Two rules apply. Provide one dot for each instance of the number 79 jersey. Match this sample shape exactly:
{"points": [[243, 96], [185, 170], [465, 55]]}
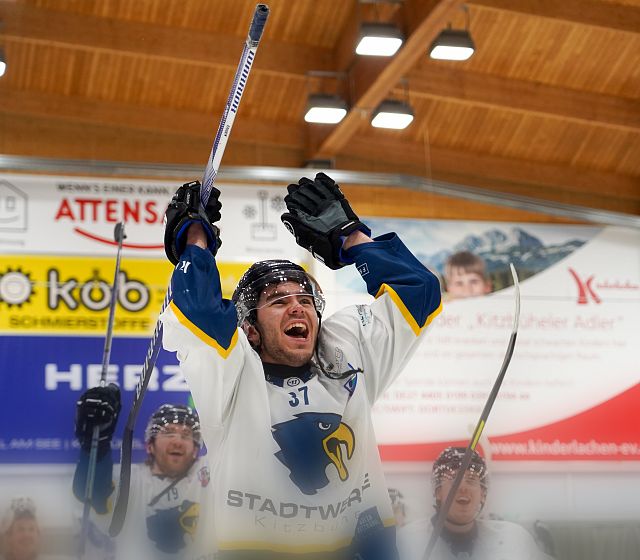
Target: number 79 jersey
{"points": [[166, 519], [298, 468]]}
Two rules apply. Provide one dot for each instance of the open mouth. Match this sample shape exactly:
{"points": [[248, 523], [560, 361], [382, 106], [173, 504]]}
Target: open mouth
{"points": [[463, 500], [297, 330], [176, 453]]}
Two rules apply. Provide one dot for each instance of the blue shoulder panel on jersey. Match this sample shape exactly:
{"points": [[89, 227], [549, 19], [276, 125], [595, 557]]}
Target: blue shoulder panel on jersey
{"points": [[103, 482], [386, 265], [197, 300]]}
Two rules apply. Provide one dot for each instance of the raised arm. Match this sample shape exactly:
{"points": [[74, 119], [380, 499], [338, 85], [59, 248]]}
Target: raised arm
{"points": [[407, 294], [199, 324], [99, 406], [407, 298]]}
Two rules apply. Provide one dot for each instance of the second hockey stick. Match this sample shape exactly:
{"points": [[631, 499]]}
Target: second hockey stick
{"points": [[119, 237], [211, 170], [466, 459]]}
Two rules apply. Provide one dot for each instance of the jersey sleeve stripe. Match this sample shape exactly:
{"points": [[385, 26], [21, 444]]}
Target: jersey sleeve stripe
{"points": [[415, 327], [224, 352]]}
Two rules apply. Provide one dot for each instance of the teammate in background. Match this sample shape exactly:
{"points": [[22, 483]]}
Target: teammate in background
{"points": [[398, 506], [21, 538], [465, 275], [167, 489], [287, 391], [465, 535]]}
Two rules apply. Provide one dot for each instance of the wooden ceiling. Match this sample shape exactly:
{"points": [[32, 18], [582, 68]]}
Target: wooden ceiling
{"points": [[548, 106]]}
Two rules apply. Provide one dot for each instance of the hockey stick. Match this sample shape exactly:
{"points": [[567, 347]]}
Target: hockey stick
{"points": [[119, 236], [466, 459], [211, 171]]}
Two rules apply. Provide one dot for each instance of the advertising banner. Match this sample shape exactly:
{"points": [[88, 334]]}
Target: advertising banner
{"points": [[570, 394], [76, 216], [57, 260], [43, 376], [572, 389], [71, 295]]}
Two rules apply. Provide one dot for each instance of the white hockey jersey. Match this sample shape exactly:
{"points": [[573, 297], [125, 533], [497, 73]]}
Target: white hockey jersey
{"points": [[299, 469], [165, 521], [494, 540]]}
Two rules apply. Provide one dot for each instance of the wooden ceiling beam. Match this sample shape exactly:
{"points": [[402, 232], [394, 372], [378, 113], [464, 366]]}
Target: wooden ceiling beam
{"points": [[344, 51], [437, 81], [472, 168], [623, 17], [369, 92], [152, 119], [407, 203], [60, 138], [27, 22], [541, 192]]}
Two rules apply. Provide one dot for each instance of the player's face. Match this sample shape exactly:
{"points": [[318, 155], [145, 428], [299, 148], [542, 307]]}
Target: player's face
{"points": [[468, 500], [287, 327], [22, 541], [174, 451], [463, 284]]}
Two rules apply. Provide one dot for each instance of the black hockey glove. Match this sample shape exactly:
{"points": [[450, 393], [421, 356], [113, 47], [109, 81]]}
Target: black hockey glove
{"points": [[320, 218], [185, 209], [99, 406]]}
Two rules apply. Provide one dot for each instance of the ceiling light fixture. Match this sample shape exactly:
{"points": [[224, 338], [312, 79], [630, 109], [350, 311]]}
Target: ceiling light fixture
{"points": [[379, 39], [3, 63], [453, 44], [392, 113], [325, 109]]}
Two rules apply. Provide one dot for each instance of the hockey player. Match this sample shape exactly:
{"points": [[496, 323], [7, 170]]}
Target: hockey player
{"points": [[398, 506], [167, 489], [287, 391], [465, 535], [21, 536]]}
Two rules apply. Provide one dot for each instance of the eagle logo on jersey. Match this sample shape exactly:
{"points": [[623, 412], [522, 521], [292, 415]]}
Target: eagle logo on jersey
{"points": [[310, 443], [167, 528]]}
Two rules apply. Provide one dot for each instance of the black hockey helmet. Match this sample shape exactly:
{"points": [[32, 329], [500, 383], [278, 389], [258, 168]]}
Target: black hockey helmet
{"points": [[267, 273], [449, 462], [170, 414]]}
